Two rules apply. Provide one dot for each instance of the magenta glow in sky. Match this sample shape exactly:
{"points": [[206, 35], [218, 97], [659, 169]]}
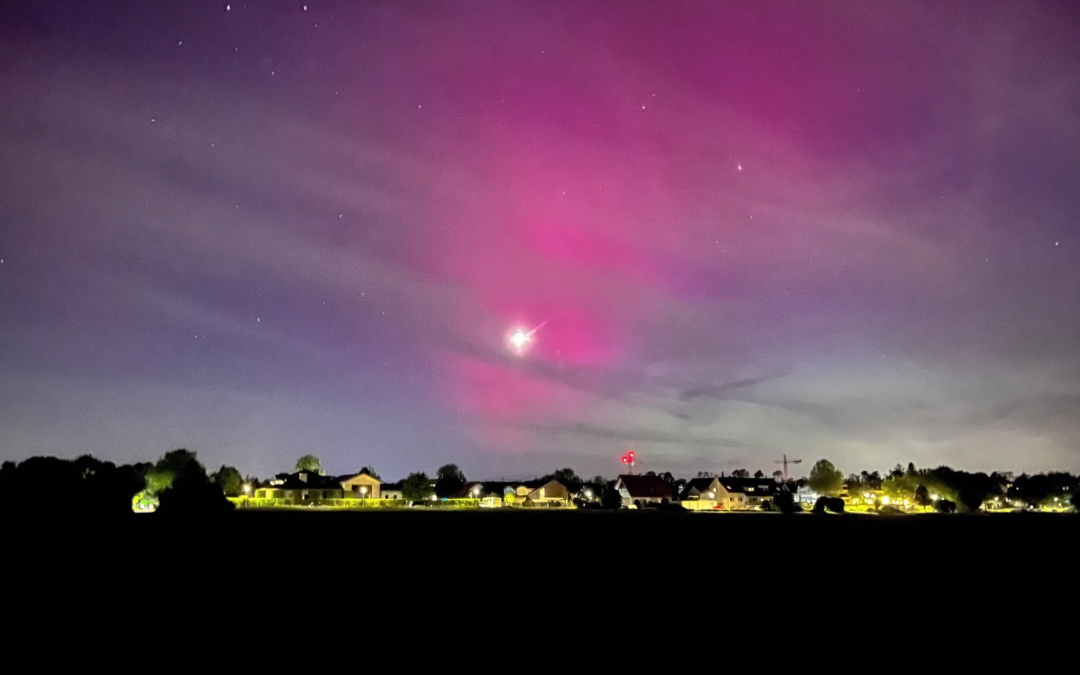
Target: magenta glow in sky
{"points": [[735, 231]]}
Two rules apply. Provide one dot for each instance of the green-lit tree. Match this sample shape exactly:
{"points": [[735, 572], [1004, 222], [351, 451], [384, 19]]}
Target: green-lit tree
{"points": [[416, 487], [825, 479], [229, 480], [171, 466], [309, 463]]}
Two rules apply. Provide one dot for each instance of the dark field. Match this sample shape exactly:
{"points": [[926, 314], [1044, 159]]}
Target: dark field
{"points": [[397, 553], [375, 575]]}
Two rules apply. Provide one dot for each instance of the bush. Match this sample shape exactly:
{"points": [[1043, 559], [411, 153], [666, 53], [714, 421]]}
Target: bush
{"points": [[784, 502], [945, 506], [834, 504]]}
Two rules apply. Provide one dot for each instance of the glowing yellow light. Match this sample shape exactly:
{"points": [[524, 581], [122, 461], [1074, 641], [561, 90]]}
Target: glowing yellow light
{"points": [[885, 500]]}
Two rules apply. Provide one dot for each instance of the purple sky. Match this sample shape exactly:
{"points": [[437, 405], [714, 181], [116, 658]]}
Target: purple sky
{"points": [[842, 230]]}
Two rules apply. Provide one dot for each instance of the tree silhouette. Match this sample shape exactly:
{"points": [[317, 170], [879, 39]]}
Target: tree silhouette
{"points": [[371, 472], [450, 471], [192, 493], [450, 480], [566, 476], [922, 497], [611, 499], [825, 479], [309, 463]]}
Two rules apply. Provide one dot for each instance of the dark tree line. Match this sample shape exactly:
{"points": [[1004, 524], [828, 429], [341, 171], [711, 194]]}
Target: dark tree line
{"points": [[89, 486], [52, 485]]}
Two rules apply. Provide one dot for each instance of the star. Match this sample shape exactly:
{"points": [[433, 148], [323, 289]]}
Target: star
{"points": [[738, 167]]}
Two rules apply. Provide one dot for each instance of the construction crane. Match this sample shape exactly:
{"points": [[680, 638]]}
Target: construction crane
{"points": [[785, 461]]}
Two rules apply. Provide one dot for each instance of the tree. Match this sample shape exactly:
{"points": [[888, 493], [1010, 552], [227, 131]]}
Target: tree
{"points": [[89, 485], [171, 466], [825, 479], [449, 481], [704, 474], [785, 502], [450, 471], [371, 472], [309, 463], [759, 474], [566, 476], [611, 499], [740, 473], [229, 480], [416, 487], [778, 476], [922, 497], [193, 493]]}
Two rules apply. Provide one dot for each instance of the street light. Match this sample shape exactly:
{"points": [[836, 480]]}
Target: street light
{"points": [[363, 492]]}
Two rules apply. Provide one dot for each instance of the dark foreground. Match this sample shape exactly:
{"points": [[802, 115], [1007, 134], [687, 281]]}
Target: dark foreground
{"points": [[635, 580], [399, 552]]}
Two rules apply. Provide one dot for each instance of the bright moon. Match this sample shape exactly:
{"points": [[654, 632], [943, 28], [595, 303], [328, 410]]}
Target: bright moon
{"points": [[519, 340]]}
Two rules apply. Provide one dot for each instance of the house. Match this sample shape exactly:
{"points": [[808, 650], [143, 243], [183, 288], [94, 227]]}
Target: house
{"points": [[391, 491], [302, 487], [539, 493], [550, 493], [637, 491], [700, 494], [490, 494], [804, 495], [739, 494], [361, 486]]}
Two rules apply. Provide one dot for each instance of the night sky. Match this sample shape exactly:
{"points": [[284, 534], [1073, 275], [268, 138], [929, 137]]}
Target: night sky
{"points": [[729, 230]]}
